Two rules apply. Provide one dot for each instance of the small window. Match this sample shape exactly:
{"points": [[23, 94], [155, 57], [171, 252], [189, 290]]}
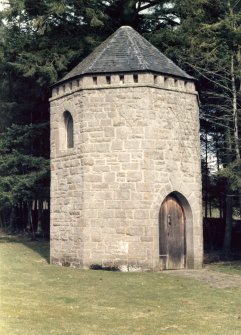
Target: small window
{"points": [[69, 126], [70, 85], [135, 78], [78, 82], [108, 80], [95, 80], [63, 88], [122, 79], [57, 90], [155, 79]]}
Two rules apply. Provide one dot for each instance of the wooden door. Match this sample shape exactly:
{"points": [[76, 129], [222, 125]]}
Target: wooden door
{"points": [[172, 234]]}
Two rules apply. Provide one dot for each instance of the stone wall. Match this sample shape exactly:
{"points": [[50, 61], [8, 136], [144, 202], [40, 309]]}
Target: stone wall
{"points": [[134, 143]]}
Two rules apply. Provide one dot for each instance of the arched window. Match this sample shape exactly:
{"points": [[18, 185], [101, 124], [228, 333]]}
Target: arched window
{"points": [[69, 126]]}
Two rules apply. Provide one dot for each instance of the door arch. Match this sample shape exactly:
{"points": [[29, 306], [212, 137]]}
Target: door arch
{"points": [[172, 227]]}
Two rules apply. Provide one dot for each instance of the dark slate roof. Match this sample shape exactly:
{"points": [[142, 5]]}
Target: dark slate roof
{"points": [[126, 51]]}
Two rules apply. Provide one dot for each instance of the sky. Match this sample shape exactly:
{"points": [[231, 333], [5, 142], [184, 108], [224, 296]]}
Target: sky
{"points": [[2, 3]]}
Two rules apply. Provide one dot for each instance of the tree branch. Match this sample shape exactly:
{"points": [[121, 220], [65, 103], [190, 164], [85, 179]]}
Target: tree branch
{"points": [[149, 5]]}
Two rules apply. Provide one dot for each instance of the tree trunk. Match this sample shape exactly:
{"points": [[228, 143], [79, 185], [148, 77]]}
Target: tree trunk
{"points": [[40, 217], [235, 121], [228, 225], [235, 105], [228, 206], [229, 210], [2, 221], [235, 110], [25, 216], [30, 219], [12, 219], [206, 174]]}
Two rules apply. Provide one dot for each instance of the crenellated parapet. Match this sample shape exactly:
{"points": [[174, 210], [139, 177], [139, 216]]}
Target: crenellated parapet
{"points": [[90, 82]]}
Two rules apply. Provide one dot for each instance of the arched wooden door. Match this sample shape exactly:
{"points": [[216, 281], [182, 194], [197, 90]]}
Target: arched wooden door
{"points": [[172, 234]]}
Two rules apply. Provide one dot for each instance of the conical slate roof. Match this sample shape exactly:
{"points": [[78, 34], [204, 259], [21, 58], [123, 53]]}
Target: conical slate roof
{"points": [[126, 51]]}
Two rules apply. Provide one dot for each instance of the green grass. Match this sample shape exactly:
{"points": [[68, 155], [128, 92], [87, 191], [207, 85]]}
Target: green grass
{"points": [[42, 299], [232, 267]]}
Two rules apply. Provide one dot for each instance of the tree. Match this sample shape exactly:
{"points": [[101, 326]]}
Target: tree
{"points": [[24, 176], [211, 33], [226, 42], [39, 42], [206, 42]]}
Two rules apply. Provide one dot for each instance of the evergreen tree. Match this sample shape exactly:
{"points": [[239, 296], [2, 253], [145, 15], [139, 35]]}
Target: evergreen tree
{"points": [[210, 35], [39, 42], [24, 176]]}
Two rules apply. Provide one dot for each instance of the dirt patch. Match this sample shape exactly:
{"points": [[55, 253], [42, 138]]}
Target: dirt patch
{"points": [[213, 278]]}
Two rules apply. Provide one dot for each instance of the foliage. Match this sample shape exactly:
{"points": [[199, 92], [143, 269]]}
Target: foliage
{"points": [[233, 173], [40, 40], [23, 176], [209, 43]]}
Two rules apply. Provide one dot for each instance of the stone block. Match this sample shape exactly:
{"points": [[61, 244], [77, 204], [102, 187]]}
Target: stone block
{"points": [[130, 166], [106, 213], [124, 157], [101, 168], [96, 238], [96, 178], [109, 177], [134, 176], [132, 145], [117, 145], [134, 231], [122, 195], [102, 147], [109, 132], [141, 214], [124, 213], [146, 239]]}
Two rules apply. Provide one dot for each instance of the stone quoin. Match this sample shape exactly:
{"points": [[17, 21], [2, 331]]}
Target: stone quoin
{"points": [[125, 161]]}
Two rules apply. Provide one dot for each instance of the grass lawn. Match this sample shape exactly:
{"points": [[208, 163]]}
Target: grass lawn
{"points": [[230, 267], [42, 299]]}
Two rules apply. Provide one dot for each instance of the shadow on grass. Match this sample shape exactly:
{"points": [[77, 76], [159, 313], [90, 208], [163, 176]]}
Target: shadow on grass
{"points": [[236, 265], [39, 245], [218, 256]]}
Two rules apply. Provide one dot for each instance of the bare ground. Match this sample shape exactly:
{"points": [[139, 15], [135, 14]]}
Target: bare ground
{"points": [[213, 278]]}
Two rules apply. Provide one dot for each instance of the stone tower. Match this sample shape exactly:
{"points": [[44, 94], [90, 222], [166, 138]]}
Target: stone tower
{"points": [[125, 161]]}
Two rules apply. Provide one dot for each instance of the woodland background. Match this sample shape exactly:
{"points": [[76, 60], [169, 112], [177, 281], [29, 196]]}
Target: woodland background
{"points": [[41, 40]]}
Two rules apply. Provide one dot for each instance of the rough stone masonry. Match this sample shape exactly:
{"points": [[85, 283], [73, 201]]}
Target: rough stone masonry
{"points": [[134, 120]]}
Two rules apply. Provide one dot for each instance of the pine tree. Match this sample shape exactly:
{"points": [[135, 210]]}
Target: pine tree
{"points": [[210, 35], [40, 41]]}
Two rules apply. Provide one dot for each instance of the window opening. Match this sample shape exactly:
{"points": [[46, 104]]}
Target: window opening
{"points": [[135, 78], [95, 80], [69, 124], [122, 78], [108, 80]]}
